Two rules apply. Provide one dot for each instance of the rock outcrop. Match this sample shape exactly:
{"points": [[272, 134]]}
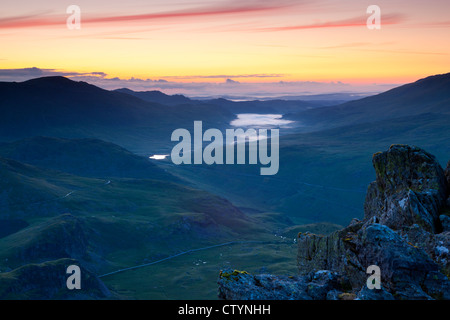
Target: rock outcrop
{"points": [[239, 285], [405, 232], [410, 188]]}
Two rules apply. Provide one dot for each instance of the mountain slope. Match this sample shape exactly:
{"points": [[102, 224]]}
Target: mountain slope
{"points": [[111, 225], [276, 106], [83, 157], [59, 107], [428, 95], [158, 97], [323, 175]]}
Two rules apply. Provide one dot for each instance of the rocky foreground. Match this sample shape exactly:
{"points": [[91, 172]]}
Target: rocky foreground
{"points": [[405, 232]]}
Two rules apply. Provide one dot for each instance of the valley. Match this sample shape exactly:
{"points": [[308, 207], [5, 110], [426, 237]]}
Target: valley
{"points": [[78, 181]]}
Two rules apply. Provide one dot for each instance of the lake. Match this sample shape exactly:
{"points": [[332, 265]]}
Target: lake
{"points": [[260, 120]]}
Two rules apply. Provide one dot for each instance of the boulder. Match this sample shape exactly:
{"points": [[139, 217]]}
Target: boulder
{"points": [[374, 294], [240, 285]]}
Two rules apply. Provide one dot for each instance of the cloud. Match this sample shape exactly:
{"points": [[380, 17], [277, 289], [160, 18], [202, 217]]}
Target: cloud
{"points": [[229, 88], [218, 9], [231, 81], [233, 7], [29, 73], [360, 21], [227, 76], [32, 20]]}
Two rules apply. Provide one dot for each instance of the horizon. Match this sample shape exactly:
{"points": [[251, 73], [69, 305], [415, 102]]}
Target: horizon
{"points": [[335, 95], [326, 92], [218, 48]]}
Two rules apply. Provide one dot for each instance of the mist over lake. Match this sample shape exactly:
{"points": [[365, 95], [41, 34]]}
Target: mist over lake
{"points": [[260, 120]]}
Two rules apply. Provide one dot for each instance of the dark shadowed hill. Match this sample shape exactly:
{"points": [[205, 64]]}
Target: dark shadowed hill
{"points": [[277, 106], [84, 157], [58, 101], [57, 106], [158, 97], [428, 95]]}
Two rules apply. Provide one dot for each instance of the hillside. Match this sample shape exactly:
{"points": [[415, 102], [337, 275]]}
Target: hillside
{"points": [[428, 95], [110, 211], [158, 97], [323, 175], [108, 225], [100, 159], [59, 107], [274, 106]]}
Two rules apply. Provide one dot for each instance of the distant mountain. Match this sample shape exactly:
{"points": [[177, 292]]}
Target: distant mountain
{"points": [[158, 97], [83, 157], [428, 95], [57, 101], [59, 107], [273, 106], [277, 106]]}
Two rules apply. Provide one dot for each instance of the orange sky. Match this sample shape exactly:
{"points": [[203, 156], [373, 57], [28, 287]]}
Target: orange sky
{"points": [[247, 41]]}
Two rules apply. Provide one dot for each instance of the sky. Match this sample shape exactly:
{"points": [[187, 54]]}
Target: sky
{"points": [[218, 47]]}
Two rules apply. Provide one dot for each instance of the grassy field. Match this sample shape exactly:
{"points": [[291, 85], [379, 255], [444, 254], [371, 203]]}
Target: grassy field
{"points": [[195, 275]]}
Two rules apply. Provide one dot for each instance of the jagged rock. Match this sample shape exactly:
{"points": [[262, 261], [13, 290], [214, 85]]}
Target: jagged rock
{"points": [[398, 233], [334, 252], [350, 253], [402, 265], [410, 188], [437, 286], [404, 233], [374, 294], [239, 285], [321, 283], [333, 295], [445, 222], [48, 281], [435, 245]]}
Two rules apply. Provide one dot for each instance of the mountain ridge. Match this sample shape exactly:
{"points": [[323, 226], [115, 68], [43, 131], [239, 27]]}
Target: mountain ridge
{"points": [[427, 95]]}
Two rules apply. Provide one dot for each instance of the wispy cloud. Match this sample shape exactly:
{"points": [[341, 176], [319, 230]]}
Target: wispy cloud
{"points": [[28, 73], [218, 9], [360, 21], [226, 76], [233, 7], [227, 88], [437, 24]]}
